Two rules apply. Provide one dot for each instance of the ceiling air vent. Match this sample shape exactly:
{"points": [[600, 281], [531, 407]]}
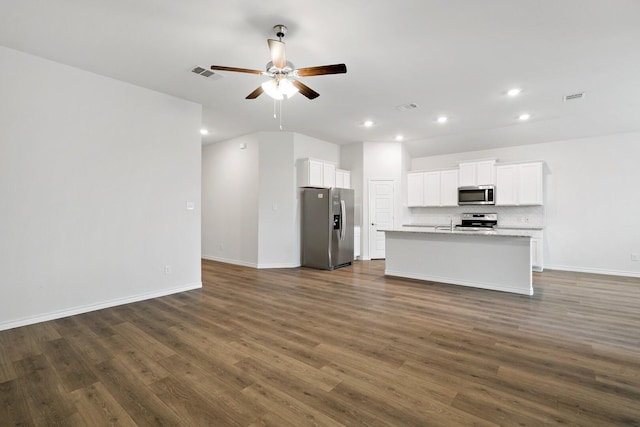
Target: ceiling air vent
{"points": [[407, 107], [201, 71], [573, 96]]}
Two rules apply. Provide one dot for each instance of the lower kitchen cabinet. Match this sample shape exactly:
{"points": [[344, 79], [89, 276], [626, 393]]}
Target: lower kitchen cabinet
{"points": [[536, 251]]}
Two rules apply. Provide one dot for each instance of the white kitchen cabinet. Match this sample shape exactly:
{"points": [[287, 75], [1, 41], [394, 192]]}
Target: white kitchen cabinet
{"points": [[449, 187], [530, 184], [415, 189], [506, 185], [329, 174], [537, 251], [432, 188], [316, 173], [343, 178], [519, 184], [477, 173], [356, 242]]}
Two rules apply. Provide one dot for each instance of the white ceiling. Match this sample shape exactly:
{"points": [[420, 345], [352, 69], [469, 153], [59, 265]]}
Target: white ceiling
{"points": [[452, 57]]}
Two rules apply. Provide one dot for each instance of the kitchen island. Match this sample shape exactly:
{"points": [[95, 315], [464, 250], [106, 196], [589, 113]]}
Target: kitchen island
{"points": [[499, 260]]}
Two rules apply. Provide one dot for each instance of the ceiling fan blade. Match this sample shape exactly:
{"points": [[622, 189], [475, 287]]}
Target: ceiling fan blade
{"points": [[238, 70], [278, 56], [321, 70], [305, 90], [256, 93]]}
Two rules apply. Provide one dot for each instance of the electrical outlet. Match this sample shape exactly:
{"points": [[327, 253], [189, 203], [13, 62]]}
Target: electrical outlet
{"points": [[167, 270], [634, 257]]}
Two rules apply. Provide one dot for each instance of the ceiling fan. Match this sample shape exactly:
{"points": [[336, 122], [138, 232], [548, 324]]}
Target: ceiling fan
{"points": [[283, 82]]}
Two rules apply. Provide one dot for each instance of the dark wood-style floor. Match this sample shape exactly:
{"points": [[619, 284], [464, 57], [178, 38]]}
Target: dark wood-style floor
{"points": [[302, 347]]}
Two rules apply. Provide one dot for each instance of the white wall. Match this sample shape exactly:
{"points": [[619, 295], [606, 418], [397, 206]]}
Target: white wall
{"points": [[230, 183], [592, 202], [352, 159], [382, 160], [95, 175], [251, 202], [276, 202]]}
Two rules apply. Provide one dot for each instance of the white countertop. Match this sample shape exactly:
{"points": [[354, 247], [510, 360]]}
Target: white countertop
{"points": [[496, 228], [509, 232]]}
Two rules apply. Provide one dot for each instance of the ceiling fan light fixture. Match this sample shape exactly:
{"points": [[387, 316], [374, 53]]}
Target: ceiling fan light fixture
{"points": [[279, 88], [287, 88], [270, 87]]}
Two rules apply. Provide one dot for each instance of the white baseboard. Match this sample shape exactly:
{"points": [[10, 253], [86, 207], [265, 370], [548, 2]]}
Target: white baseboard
{"points": [[93, 307], [250, 264], [229, 261], [283, 265], [593, 270]]}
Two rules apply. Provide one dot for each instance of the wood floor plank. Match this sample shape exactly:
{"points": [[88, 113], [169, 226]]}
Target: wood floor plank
{"points": [[44, 395], [352, 347], [14, 410], [301, 390], [313, 375], [68, 365], [191, 407], [97, 407], [224, 396], [141, 404]]}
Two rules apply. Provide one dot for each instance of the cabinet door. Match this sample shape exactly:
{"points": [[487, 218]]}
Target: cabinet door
{"points": [[530, 184], [449, 188], [328, 175], [315, 170], [506, 186], [485, 174], [432, 188], [467, 174], [536, 253], [339, 179], [415, 189], [347, 179]]}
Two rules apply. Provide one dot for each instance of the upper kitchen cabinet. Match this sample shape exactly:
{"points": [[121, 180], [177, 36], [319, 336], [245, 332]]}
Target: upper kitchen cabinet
{"points": [[449, 182], [316, 173], [415, 189], [519, 184], [477, 173], [343, 179], [433, 188]]}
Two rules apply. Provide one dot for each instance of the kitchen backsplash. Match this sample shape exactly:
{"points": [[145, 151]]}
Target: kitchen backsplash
{"points": [[508, 216]]}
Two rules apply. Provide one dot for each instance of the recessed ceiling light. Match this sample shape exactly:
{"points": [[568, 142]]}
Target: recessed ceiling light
{"points": [[443, 119], [204, 131], [399, 138], [368, 123], [524, 116], [514, 92]]}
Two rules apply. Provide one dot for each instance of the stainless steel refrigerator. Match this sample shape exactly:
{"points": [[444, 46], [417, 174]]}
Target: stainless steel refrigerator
{"points": [[327, 227]]}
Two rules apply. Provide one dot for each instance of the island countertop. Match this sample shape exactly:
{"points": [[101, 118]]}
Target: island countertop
{"points": [[508, 232]]}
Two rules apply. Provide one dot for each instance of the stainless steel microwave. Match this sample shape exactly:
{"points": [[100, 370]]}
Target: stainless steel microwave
{"points": [[477, 195]]}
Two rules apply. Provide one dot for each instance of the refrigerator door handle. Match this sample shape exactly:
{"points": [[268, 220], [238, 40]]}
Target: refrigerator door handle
{"points": [[343, 213]]}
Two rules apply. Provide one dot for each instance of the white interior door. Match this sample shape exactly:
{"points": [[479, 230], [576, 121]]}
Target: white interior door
{"points": [[380, 214]]}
